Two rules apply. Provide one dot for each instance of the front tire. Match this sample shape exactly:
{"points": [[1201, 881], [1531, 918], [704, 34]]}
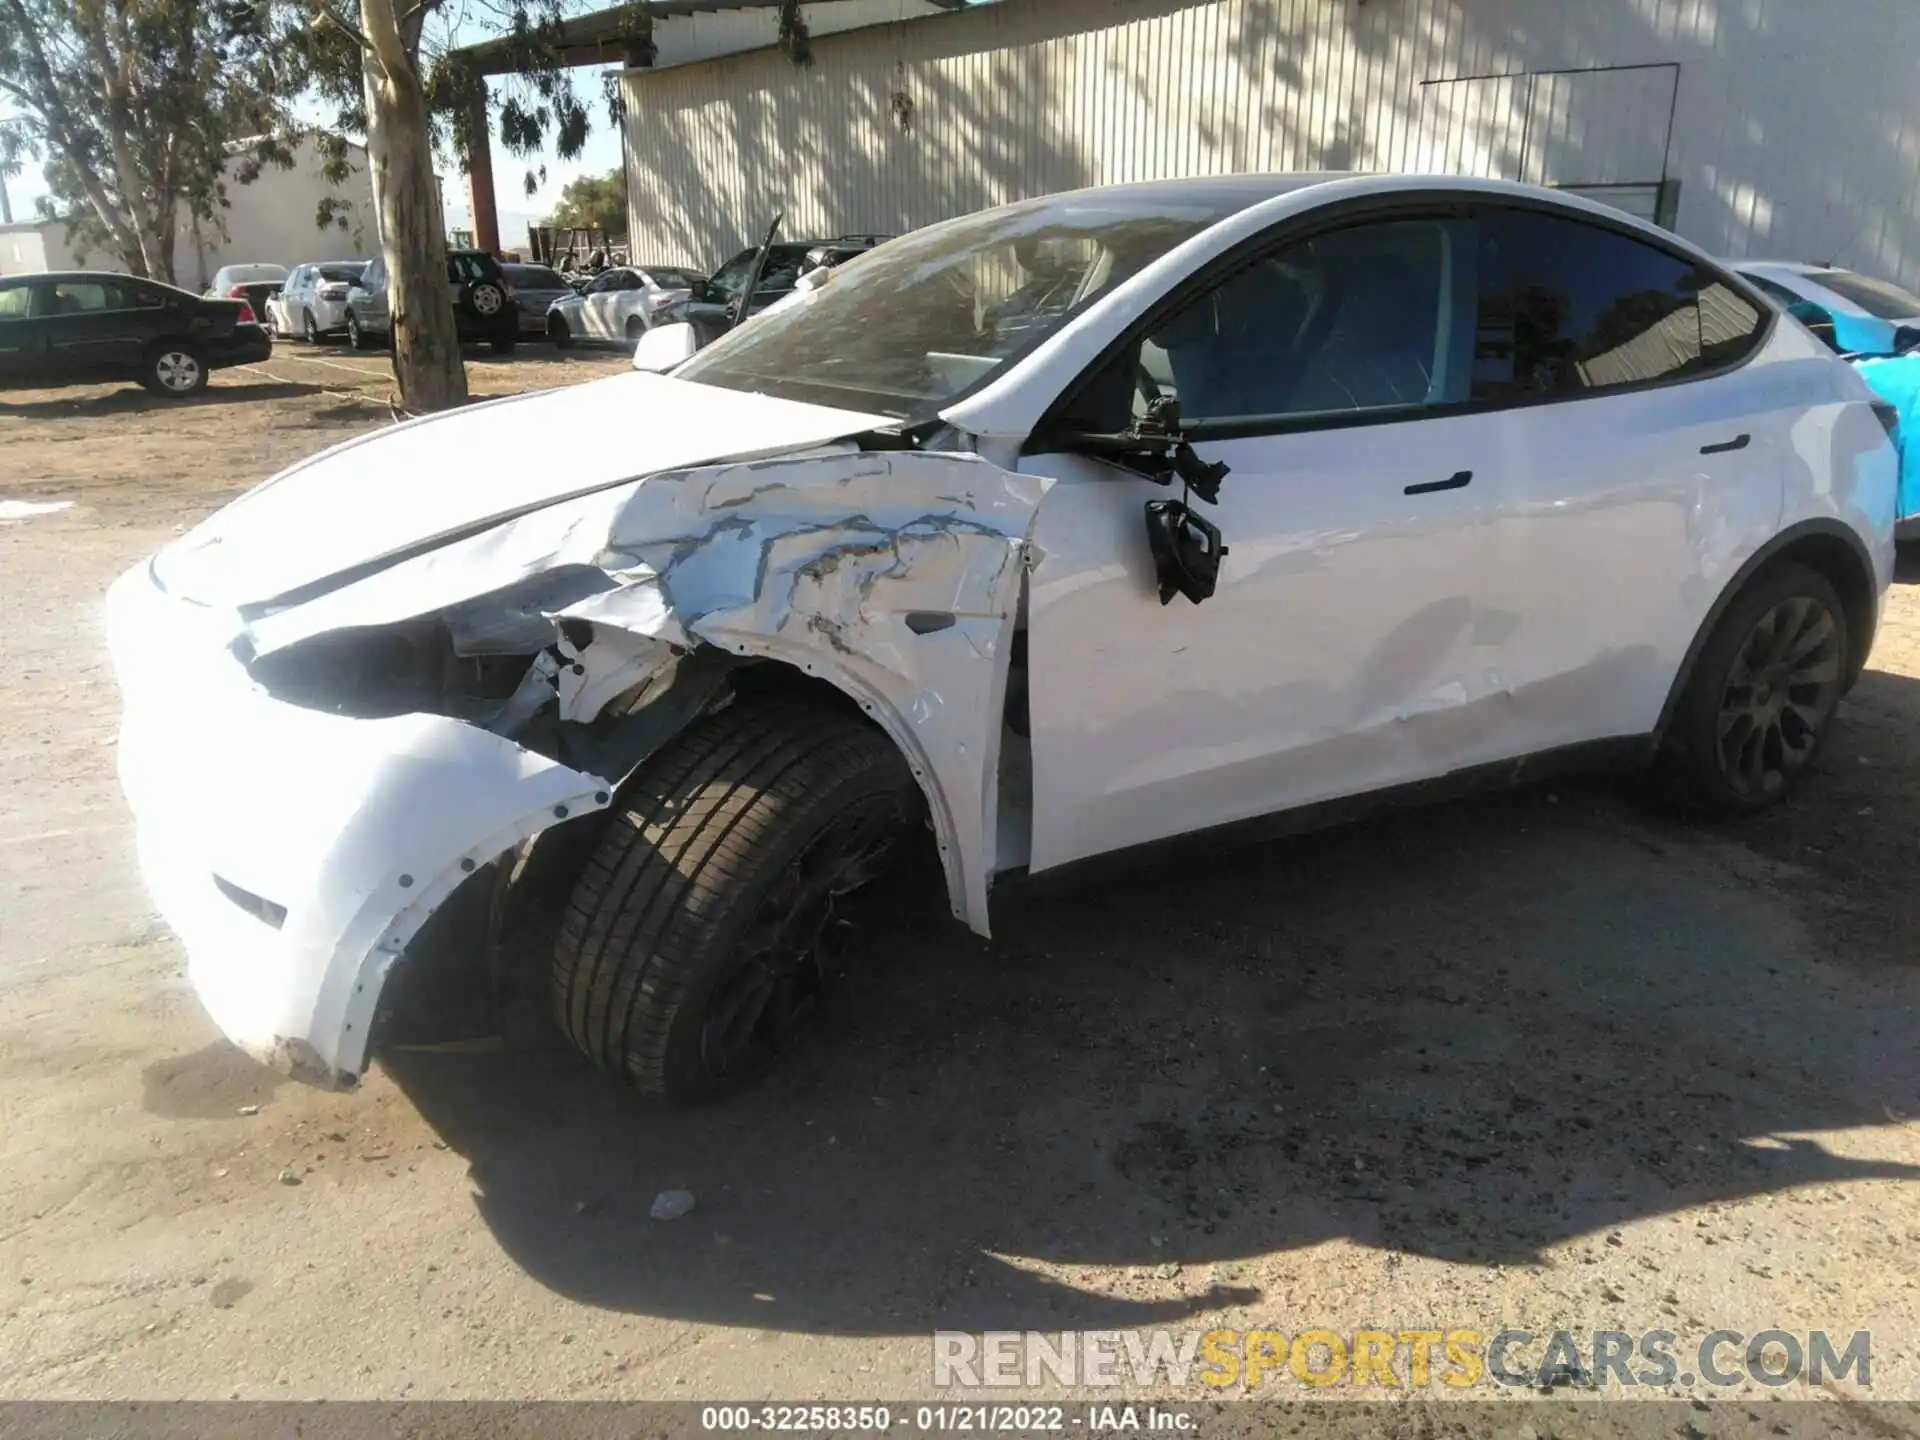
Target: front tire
{"points": [[559, 332], [174, 370], [1761, 699], [703, 932]]}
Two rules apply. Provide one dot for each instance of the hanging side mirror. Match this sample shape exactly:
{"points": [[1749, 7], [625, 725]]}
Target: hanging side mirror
{"points": [[1187, 551], [663, 347]]}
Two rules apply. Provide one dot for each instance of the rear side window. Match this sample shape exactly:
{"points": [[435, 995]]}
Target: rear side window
{"points": [[16, 302], [1568, 307], [467, 267], [87, 297]]}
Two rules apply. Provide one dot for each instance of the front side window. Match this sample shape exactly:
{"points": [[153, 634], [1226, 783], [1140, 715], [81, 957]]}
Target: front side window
{"points": [[934, 315], [1881, 299], [1568, 307], [1356, 320]]}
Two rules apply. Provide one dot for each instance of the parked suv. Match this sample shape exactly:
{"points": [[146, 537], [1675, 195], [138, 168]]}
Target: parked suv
{"points": [[1248, 499], [483, 302]]}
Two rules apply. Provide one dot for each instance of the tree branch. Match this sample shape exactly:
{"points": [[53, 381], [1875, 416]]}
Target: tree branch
{"points": [[327, 15]]}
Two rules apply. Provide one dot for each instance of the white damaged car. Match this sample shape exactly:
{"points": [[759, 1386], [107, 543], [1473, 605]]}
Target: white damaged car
{"points": [[1051, 531]]}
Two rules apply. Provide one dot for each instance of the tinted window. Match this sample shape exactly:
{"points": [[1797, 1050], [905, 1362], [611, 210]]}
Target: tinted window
{"points": [[1773, 290], [1881, 299], [1355, 320], [467, 266], [729, 279], [1569, 308], [86, 297], [535, 277], [16, 301], [604, 283]]}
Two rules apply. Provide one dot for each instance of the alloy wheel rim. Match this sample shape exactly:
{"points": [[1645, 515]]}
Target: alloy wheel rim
{"points": [[177, 370], [792, 948], [1779, 693]]}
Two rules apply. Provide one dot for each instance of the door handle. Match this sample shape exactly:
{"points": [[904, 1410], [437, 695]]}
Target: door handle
{"points": [[1727, 447], [1457, 481]]}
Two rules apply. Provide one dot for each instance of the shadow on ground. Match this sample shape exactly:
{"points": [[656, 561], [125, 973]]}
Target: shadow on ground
{"points": [[133, 400], [1467, 1032]]}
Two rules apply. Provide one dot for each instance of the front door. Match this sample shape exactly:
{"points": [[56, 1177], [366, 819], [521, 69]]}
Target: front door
{"points": [[98, 327], [23, 359], [1348, 647]]}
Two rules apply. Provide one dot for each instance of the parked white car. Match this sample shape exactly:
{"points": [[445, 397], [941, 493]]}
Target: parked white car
{"points": [[1088, 522], [1870, 316], [313, 303], [618, 306]]}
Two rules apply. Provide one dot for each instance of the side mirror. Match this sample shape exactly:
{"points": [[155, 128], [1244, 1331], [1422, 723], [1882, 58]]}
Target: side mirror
{"points": [[663, 347], [1187, 551]]}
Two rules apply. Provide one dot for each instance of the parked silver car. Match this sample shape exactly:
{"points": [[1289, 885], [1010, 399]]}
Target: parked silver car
{"points": [[313, 302], [535, 287]]}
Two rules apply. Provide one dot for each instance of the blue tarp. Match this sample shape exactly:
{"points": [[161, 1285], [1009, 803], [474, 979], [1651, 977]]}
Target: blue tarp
{"points": [[1896, 380]]}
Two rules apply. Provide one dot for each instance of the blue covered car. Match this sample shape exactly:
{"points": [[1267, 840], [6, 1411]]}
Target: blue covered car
{"points": [[1876, 325]]}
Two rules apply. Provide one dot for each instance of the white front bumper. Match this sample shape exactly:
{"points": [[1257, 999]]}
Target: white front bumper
{"points": [[357, 829]]}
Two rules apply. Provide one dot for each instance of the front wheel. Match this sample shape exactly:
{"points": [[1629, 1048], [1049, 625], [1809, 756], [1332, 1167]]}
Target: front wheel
{"points": [[174, 369], [559, 332], [708, 924], [1762, 696]]}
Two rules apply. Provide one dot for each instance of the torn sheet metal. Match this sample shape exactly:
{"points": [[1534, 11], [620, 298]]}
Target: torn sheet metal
{"points": [[815, 561]]}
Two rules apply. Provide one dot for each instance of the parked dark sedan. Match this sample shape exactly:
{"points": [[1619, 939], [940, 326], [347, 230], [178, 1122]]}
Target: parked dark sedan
{"points": [[79, 326]]}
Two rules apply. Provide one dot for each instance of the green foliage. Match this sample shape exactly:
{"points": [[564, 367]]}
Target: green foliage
{"points": [[135, 107], [594, 202]]}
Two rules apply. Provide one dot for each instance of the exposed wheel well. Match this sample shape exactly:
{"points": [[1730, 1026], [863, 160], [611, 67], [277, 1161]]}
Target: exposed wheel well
{"points": [[1821, 546]]}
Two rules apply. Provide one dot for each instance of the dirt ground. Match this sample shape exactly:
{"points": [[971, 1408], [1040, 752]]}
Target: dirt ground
{"points": [[1550, 1059]]}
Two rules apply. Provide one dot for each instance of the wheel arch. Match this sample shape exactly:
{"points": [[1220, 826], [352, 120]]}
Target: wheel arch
{"points": [[1826, 546]]}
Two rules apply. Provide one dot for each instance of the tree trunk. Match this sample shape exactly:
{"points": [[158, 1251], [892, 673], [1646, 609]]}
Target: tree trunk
{"points": [[406, 201]]}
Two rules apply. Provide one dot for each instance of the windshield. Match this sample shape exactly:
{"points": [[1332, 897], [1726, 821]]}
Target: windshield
{"points": [[907, 329], [1881, 299]]}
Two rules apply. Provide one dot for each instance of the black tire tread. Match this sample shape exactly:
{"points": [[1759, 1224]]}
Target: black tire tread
{"points": [[695, 832]]}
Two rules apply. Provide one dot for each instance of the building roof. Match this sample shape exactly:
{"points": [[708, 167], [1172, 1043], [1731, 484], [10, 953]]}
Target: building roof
{"points": [[616, 37]]}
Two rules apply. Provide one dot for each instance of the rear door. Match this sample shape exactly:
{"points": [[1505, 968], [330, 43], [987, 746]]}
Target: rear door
{"points": [[1638, 452], [23, 357]]}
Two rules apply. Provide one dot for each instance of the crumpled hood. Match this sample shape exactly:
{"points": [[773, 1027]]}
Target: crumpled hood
{"points": [[400, 489]]}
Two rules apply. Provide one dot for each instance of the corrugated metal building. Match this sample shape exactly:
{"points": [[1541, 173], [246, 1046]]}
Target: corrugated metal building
{"points": [[1779, 127]]}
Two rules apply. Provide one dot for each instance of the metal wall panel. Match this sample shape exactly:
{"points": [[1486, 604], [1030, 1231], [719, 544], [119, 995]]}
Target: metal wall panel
{"points": [[1794, 127]]}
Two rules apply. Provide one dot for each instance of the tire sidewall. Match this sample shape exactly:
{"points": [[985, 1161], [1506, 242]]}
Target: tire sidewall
{"points": [[308, 330], [686, 1080], [1694, 758]]}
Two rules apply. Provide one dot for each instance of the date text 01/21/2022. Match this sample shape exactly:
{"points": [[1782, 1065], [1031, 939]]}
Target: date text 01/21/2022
{"points": [[954, 1419]]}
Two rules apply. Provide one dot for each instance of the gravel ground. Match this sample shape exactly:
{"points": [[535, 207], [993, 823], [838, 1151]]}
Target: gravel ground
{"points": [[1549, 1059]]}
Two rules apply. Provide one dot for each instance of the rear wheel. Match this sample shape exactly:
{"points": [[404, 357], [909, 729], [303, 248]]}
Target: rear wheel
{"points": [[309, 331], [1762, 695], [175, 369], [707, 926], [636, 327], [356, 336]]}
